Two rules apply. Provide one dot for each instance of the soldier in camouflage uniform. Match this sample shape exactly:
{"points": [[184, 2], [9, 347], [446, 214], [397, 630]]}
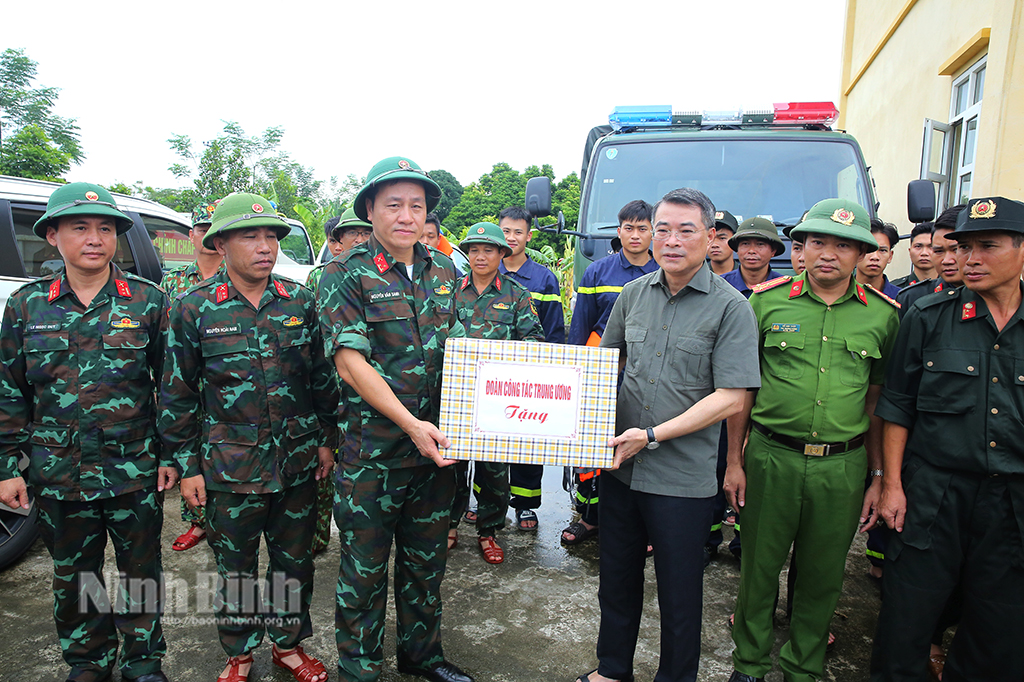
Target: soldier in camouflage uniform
{"points": [[80, 351], [178, 281], [245, 345], [490, 306], [342, 233], [386, 311]]}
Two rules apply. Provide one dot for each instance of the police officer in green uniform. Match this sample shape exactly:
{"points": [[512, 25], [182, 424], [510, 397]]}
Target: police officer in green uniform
{"points": [[245, 346], [386, 310], [490, 306], [824, 340], [178, 281], [957, 502], [80, 352]]}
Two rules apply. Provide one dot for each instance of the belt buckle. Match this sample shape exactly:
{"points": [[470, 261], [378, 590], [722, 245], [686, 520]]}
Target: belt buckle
{"points": [[812, 450]]}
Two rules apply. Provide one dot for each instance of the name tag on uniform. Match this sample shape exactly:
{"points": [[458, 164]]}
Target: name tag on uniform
{"points": [[785, 327], [378, 296], [222, 330], [43, 327]]}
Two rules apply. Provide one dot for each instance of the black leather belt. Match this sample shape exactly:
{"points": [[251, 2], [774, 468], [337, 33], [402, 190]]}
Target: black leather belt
{"points": [[810, 449]]}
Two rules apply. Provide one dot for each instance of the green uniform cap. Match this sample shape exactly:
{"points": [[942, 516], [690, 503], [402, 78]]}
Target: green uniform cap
{"points": [[726, 220], [203, 213], [349, 221], [758, 228], [992, 213], [839, 218], [485, 233], [392, 169], [241, 211], [80, 198]]}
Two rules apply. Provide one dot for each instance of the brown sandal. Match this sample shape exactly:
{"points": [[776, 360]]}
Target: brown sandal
{"points": [[304, 672], [234, 663], [936, 662]]}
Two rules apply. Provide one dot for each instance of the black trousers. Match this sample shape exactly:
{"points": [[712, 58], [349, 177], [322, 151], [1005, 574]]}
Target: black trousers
{"points": [[677, 527]]}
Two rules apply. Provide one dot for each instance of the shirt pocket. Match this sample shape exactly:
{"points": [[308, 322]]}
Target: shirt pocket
{"points": [[303, 439], [124, 355], [783, 354], [232, 455], [294, 346], [131, 441], [391, 325], [856, 365], [949, 381], [380, 438], [498, 325], [691, 359], [50, 457], [635, 338], [47, 358], [227, 360]]}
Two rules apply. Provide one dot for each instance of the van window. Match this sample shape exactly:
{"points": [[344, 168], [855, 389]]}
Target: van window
{"points": [[173, 247], [42, 259], [296, 246]]}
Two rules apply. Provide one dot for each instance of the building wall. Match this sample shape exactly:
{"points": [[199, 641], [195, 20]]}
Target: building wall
{"points": [[904, 44]]}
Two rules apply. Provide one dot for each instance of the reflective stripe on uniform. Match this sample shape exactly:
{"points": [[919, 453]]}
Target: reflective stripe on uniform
{"points": [[599, 290], [585, 500], [524, 492], [546, 297], [874, 555]]}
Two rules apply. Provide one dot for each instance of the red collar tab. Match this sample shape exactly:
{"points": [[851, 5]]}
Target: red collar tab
{"points": [[968, 311], [222, 293], [381, 262], [862, 295], [54, 291], [797, 287], [465, 282], [938, 287], [281, 290], [122, 288], [497, 282]]}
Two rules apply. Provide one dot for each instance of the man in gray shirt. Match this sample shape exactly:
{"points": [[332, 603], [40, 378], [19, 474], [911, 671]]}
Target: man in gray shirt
{"points": [[689, 343]]}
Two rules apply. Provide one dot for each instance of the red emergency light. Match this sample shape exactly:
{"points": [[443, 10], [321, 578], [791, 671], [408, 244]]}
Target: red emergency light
{"points": [[823, 113]]}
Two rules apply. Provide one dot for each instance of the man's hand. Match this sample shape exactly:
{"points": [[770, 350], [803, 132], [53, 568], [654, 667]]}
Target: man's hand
{"points": [[869, 512], [14, 493], [735, 486], [427, 437], [326, 457], [193, 489], [892, 507], [166, 477], [627, 444]]}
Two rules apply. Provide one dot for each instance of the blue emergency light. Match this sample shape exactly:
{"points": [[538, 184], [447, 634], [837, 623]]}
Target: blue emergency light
{"points": [[645, 116]]}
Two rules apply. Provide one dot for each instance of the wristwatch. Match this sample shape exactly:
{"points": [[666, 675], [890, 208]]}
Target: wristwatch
{"points": [[652, 442]]}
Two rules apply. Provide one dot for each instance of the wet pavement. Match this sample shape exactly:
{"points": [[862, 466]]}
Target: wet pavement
{"points": [[531, 619]]}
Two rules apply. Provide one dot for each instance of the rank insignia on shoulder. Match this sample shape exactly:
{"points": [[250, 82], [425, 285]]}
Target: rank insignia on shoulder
{"points": [[771, 284], [281, 291], [497, 281], [126, 323], [122, 288], [292, 321], [222, 293], [968, 311], [938, 288], [533, 308], [54, 291], [381, 262], [878, 293], [444, 289], [861, 296], [785, 327], [500, 306]]}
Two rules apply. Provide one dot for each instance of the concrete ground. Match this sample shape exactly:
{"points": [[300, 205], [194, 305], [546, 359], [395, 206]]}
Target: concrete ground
{"points": [[531, 619]]}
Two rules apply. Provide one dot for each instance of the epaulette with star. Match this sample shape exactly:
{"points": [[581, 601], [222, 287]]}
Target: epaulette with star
{"points": [[770, 284], [876, 292]]}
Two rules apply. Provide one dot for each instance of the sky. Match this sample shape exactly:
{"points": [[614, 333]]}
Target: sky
{"points": [[452, 85]]}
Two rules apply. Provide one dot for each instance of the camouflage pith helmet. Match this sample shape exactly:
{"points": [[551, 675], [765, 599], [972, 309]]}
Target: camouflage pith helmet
{"points": [[203, 213], [839, 218], [81, 198], [485, 233], [757, 228], [241, 211], [392, 169], [349, 221]]}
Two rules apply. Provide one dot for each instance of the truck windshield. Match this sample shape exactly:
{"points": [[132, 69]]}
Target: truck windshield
{"points": [[777, 179]]}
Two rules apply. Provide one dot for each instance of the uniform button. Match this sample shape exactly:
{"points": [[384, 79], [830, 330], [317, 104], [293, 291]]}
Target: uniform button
{"points": [[814, 433], [659, 353], [995, 411], [829, 308], [652, 381], [639, 460], [995, 347], [970, 368], [863, 352], [992, 444], [930, 363], [824, 338], [995, 380], [822, 370], [1020, 378], [664, 326], [671, 302], [647, 407], [819, 402], [783, 344]]}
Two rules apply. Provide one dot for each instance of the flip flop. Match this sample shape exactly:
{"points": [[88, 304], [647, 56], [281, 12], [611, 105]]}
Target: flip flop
{"points": [[579, 533], [526, 515]]}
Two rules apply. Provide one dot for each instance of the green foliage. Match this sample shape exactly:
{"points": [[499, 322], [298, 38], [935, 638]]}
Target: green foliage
{"points": [[34, 142], [451, 192], [121, 188]]}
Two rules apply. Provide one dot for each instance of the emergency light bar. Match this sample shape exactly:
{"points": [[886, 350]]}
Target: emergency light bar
{"points": [[785, 113]]}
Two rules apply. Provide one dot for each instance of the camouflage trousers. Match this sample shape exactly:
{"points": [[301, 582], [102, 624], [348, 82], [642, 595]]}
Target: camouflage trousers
{"points": [[87, 623], [373, 508], [324, 507], [194, 515], [490, 484], [280, 607]]}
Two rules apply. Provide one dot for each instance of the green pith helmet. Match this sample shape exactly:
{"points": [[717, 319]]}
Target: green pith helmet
{"points": [[241, 211], [991, 213], [726, 220], [839, 218], [80, 198], [349, 221], [389, 170], [758, 228], [485, 233], [203, 213]]}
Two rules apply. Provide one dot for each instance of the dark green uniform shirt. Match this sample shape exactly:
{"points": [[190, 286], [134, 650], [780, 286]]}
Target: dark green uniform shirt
{"points": [[180, 280], [369, 302], [817, 360], [78, 385], [954, 373], [269, 394], [504, 311]]}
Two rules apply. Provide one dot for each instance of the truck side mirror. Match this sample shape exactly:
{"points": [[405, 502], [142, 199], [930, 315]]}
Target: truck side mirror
{"points": [[538, 196], [920, 201]]}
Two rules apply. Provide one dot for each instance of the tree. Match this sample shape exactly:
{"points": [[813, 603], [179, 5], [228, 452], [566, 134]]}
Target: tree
{"points": [[451, 192], [34, 142]]}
